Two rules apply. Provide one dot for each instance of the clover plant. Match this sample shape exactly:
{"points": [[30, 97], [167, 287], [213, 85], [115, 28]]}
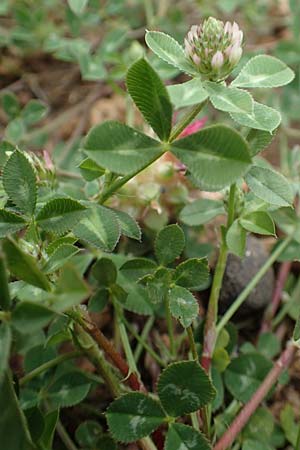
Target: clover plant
{"points": [[58, 263]]}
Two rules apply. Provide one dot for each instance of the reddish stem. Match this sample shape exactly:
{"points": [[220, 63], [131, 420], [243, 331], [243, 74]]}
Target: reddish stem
{"points": [[119, 362], [133, 381], [274, 305], [240, 421]]}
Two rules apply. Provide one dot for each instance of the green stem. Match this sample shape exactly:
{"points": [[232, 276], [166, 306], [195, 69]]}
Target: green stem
{"points": [[149, 12], [87, 344], [117, 184], [255, 280], [67, 441], [186, 120], [48, 365], [193, 348], [5, 300], [142, 339], [143, 343], [231, 205], [195, 422], [127, 347], [210, 333], [169, 321]]}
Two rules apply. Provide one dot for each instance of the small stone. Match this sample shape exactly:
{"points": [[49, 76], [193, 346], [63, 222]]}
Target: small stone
{"points": [[239, 272]]}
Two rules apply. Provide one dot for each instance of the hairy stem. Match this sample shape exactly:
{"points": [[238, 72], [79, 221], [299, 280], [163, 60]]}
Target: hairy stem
{"points": [[92, 329], [242, 418], [87, 344], [48, 365], [274, 305], [210, 332], [255, 280]]}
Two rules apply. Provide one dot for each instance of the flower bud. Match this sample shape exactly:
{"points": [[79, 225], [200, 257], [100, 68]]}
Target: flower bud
{"points": [[214, 48], [217, 60], [235, 54]]}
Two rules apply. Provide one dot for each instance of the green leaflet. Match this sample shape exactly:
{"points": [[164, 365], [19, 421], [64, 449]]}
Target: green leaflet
{"points": [[270, 186], [259, 222], [262, 118], [10, 223], [59, 257], [169, 244], [69, 389], [151, 97], [59, 215], [24, 266], [236, 239], [192, 274], [229, 99], [184, 387], [258, 140], [129, 226], [121, 149], [187, 94], [264, 71], [19, 182], [168, 49], [216, 156], [184, 437], [99, 227], [183, 305], [201, 211], [29, 317], [133, 416], [245, 374]]}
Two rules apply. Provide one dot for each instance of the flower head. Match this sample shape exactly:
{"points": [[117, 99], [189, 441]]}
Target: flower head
{"points": [[214, 48]]}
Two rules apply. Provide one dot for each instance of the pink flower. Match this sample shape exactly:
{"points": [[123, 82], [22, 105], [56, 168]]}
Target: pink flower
{"points": [[193, 127]]}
